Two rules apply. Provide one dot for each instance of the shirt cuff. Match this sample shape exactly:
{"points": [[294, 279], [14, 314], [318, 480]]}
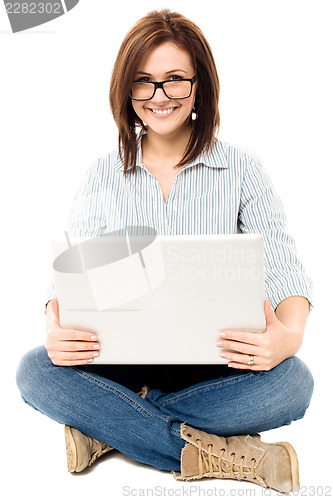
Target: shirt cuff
{"points": [[283, 293]]}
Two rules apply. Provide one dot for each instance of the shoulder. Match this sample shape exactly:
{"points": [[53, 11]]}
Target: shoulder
{"points": [[106, 166], [242, 163], [235, 155]]}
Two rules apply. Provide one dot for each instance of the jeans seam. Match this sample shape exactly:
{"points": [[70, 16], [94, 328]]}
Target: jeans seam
{"points": [[175, 432], [206, 387], [131, 401]]}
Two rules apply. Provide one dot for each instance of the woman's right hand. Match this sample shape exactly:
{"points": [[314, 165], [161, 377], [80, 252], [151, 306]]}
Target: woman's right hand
{"points": [[68, 347]]}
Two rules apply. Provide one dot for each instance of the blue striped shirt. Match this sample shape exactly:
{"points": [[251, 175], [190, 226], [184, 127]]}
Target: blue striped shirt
{"points": [[224, 191]]}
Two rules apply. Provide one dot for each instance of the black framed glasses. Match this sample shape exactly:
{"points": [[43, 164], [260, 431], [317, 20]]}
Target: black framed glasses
{"points": [[173, 89]]}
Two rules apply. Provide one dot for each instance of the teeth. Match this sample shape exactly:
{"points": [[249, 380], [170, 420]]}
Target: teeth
{"points": [[163, 112]]}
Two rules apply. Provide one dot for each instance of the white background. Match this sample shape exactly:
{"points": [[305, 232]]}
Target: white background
{"points": [[274, 60]]}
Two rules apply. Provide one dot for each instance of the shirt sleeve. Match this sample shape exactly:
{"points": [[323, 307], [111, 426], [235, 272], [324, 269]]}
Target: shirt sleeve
{"points": [[86, 216], [261, 211]]}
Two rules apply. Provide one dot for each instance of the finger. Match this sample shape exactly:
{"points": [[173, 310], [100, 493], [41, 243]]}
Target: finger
{"points": [[78, 356], [74, 335], [269, 313], [244, 337], [68, 346], [241, 359], [239, 347], [236, 357], [54, 307]]}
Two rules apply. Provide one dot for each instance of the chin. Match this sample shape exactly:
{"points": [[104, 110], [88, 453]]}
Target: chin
{"points": [[167, 129]]}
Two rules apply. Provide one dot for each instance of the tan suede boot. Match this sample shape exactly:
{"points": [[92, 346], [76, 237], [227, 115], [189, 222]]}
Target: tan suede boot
{"points": [[83, 450], [244, 458]]}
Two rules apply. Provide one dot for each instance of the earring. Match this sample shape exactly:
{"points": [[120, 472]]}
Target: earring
{"points": [[194, 115]]}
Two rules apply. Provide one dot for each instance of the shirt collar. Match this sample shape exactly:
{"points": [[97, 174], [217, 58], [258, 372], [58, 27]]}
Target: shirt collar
{"points": [[215, 157]]}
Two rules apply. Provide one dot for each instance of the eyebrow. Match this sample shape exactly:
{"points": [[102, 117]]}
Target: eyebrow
{"points": [[166, 73]]}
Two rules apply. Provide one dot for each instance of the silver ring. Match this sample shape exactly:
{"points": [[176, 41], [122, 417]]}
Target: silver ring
{"points": [[251, 360]]}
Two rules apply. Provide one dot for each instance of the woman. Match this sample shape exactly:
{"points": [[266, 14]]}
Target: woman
{"points": [[171, 173]]}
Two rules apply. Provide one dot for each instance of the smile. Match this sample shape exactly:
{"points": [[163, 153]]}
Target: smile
{"points": [[162, 112]]}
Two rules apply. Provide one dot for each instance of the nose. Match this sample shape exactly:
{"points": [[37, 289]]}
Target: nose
{"points": [[160, 96]]}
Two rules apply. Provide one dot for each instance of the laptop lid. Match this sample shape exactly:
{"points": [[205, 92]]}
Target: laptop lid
{"points": [[154, 298]]}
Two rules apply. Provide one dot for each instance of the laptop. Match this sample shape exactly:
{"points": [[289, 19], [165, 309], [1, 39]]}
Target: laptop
{"points": [[160, 299]]}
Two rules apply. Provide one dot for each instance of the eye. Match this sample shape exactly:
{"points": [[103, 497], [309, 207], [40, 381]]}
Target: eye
{"points": [[143, 79], [175, 77]]}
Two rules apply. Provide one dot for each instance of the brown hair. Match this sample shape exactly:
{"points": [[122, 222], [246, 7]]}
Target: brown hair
{"points": [[154, 29]]}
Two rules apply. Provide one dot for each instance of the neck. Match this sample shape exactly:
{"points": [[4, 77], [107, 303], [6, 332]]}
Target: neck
{"points": [[167, 149]]}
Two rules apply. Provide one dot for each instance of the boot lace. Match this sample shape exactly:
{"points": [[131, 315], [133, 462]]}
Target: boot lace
{"points": [[102, 448], [144, 391], [211, 464]]}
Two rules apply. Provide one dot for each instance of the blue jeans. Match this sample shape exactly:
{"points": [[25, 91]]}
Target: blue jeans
{"points": [[148, 430]]}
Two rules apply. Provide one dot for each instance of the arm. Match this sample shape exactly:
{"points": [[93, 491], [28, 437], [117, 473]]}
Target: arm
{"points": [[288, 289], [68, 347], [86, 217], [261, 211], [293, 313]]}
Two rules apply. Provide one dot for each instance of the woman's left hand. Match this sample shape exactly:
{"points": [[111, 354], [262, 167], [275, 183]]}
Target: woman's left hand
{"points": [[268, 348]]}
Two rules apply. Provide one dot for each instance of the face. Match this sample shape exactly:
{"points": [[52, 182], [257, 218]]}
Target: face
{"points": [[162, 115]]}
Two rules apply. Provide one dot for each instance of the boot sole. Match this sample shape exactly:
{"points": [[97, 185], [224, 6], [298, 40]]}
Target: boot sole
{"points": [[294, 465], [70, 450]]}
